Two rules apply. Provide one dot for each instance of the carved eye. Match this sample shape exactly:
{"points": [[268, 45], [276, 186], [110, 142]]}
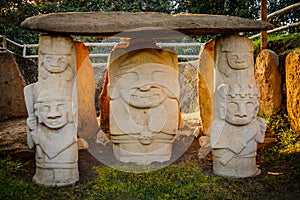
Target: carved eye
{"points": [[250, 106], [61, 107], [232, 106], [62, 59], [233, 56], [130, 76], [48, 58], [44, 107]]}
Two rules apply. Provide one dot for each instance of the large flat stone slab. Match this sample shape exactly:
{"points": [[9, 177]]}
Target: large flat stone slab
{"points": [[112, 23]]}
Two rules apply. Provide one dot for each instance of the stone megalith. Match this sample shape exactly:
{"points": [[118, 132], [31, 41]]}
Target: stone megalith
{"points": [[236, 129], [87, 117], [268, 77], [12, 104], [143, 89], [188, 100], [292, 65], [206, 94], [52, 113], [206, 84]]}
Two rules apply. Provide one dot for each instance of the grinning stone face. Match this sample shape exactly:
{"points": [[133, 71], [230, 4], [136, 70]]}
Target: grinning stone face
{"points": [[56, 63], [239, 60], [146, 86]]}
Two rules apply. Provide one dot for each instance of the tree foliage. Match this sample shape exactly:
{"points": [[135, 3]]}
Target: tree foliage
{"points": [[13, 12]]}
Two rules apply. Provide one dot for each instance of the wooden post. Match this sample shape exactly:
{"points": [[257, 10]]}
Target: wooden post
{"points": [[4, 44], [263, 10]]}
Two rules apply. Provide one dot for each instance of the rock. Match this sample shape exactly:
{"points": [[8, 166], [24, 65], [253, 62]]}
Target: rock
{"points": [[87, 118], [12, 82], [268, 77], [99, 81], [188, 99], [292, 66], [111, 23], [206, 84], [13, 134], [104, 106], [82, 144]]}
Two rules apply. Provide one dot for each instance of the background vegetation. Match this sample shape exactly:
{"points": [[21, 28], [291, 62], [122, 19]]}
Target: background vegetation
{"points": [[13, 12]]}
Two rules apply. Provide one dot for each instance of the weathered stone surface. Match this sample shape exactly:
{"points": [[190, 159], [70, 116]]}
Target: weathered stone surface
{"points": [[13, 138], [111, 23], [12, 82], [236, 129], [143, 89], [268, 78], [292, 66], [206, 84], [104, 102], [52, 113], [87, 118], [188, 100]]}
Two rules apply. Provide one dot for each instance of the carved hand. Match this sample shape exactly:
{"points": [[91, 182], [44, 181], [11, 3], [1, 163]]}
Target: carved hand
{"points": [[32, 123]]}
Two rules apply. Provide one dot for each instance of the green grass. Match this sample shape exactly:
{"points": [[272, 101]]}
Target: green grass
{"points": [[279, 43], [280, 164]]}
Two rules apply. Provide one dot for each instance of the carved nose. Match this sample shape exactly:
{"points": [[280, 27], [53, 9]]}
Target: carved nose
{"points": [[241, 111], [53, 114], [240, 59], [145, 88]]}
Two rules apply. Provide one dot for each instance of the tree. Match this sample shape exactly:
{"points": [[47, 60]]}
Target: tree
{"points": [[13, 12], [286, 18]]}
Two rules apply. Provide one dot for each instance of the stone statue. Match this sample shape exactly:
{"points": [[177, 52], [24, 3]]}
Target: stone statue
{"points": [[236, 129], [52, 113], [143, 90]]}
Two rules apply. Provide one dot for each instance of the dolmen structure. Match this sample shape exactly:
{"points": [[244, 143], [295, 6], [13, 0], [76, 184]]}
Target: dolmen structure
{"points": [[142, 91]]}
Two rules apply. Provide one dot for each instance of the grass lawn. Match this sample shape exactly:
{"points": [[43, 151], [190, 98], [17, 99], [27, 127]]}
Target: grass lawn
{"points": [[184, 179]]}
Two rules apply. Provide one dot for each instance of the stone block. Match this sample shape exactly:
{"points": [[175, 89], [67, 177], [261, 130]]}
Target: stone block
{"points": [[87, 118], [292, 65], [188, 100], [206, 84], [268, 77], [12, 103]]}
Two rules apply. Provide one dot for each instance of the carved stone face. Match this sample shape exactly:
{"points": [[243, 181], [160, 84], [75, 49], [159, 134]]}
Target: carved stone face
{"points": [[239, 60], [56, 63], [240, 112], [53, 114], [145, 86]]}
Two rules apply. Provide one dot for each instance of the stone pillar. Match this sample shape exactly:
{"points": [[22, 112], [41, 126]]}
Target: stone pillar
{"points": [[143, 90], [206, 94], [236, 129], [87, 118], [292, 65], [52, 113], [268, 77]]}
